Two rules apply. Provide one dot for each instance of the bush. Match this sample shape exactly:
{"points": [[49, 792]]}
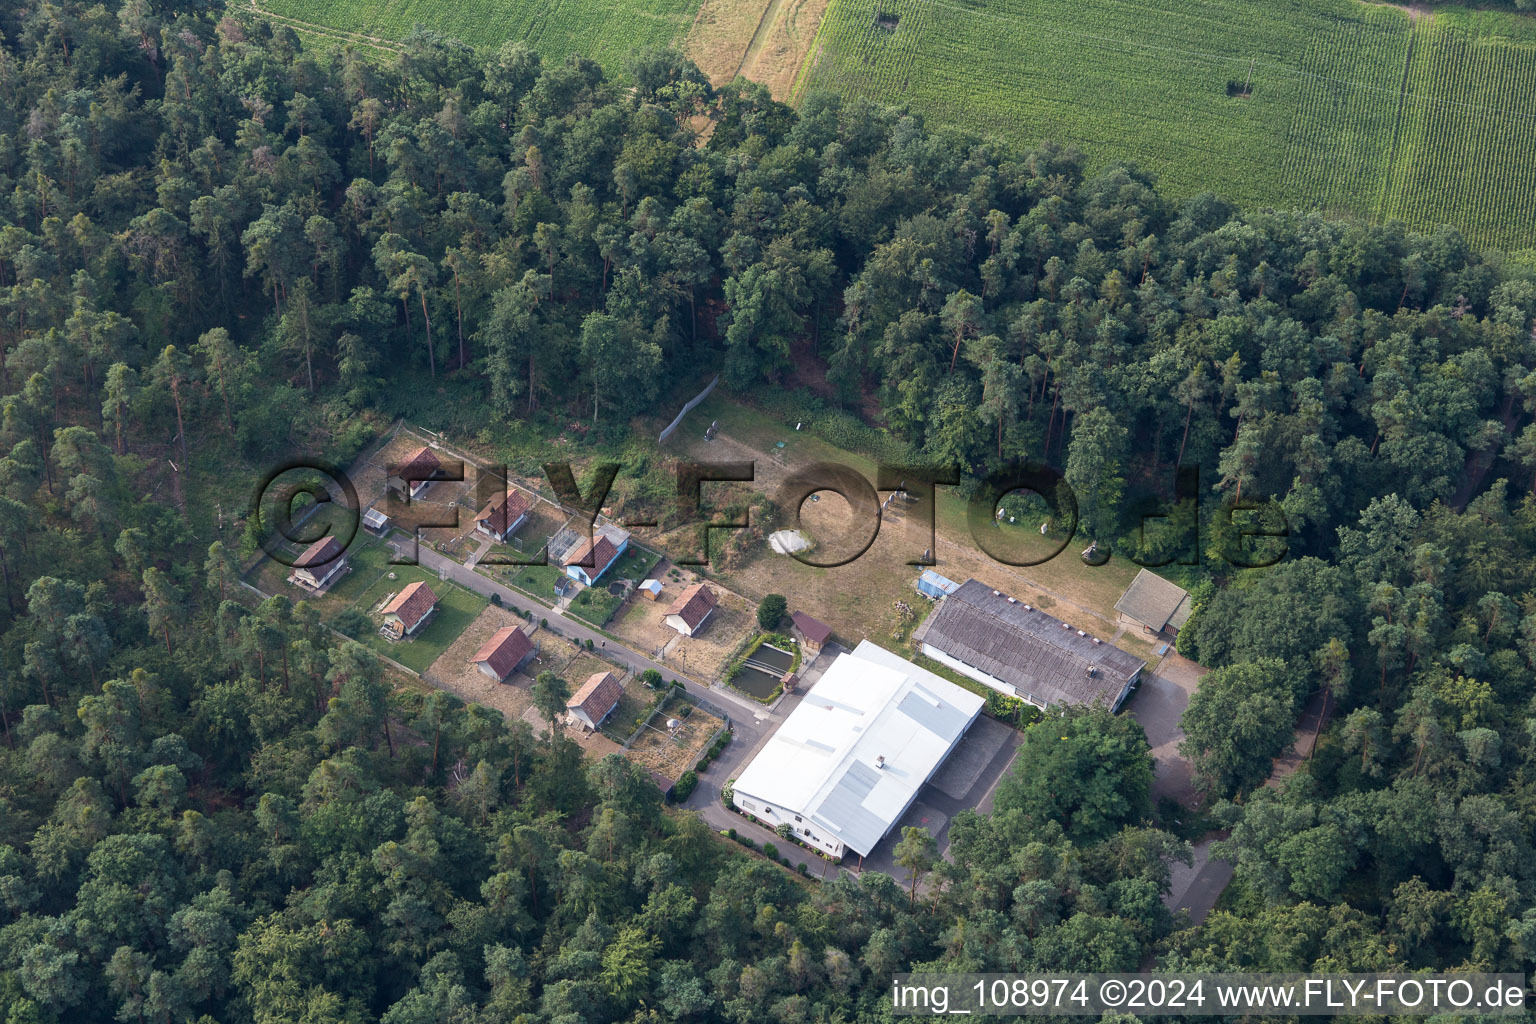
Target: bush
{"points": [[771, 610], [784, 861], [590, 645], [770, 851], [747, 842], [495, 599], [652, 678], [785, 830], [803, 869], [544, 623], [684, 786], [354, 623]]}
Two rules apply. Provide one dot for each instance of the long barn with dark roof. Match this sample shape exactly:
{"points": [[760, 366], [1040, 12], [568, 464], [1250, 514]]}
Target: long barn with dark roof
{"points": [[1022, 652]]}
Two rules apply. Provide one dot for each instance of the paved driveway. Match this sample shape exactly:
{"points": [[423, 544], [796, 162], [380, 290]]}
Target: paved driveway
{"points": [[967, 779], [1158, 703]]}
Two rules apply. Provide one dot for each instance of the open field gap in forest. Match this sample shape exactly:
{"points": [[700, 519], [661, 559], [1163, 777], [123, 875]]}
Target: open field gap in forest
{"points": [[1126, 80]]}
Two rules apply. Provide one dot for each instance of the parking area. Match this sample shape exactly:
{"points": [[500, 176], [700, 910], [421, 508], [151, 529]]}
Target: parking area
{"points": [[1158, 704], [965, 780]]}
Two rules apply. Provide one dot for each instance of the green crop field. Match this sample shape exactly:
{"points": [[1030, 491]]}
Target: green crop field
{"points": [[605, 30], [1349, 107]]}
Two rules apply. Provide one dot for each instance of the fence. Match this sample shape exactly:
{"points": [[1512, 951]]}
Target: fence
{"points": [[692, 404], [677, 690]]}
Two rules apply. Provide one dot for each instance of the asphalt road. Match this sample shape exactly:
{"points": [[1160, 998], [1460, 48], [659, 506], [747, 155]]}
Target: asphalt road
{"points": [[1195, 889], [750, 722]]}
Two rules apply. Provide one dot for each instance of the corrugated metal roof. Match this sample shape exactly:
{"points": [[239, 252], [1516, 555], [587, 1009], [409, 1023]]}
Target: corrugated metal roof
{"points": [[943, 584], [1154, 601], [1026, 648]]}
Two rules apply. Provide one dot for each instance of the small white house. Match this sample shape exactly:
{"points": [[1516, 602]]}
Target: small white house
{"points": [[417, 472], [691, 610], [503, 515], [587, 561], [320, 563], [503, 654], [596, 700], [409, 609]]}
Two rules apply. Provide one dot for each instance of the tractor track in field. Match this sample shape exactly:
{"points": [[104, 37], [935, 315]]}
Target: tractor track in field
{"points": [[328, 31], [1397, 123], [760, 36]]}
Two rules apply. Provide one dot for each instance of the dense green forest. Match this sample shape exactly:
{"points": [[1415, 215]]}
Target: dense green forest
{"points": [[218, 248]]}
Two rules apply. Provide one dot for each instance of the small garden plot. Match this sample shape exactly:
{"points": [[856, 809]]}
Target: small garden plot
{"points": [[440, 502], [366, 561], [641, 626], [524, 545], [454, 672], [597, 604], [456, 609], [674, 751]]}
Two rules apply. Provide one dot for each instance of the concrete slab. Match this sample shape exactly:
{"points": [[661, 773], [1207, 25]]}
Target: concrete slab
{"points": [[968, 762], [1158, 703], [1196, 887]]}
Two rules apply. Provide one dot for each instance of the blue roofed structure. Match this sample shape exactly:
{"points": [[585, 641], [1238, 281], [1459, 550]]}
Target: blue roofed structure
{"points": [[932, 585]]}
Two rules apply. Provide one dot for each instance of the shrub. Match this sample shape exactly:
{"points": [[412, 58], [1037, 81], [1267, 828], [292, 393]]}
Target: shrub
{"points": [[354, 623], [684, 786], [784, 861], [544, 623], [771, 610], [687, 710], [590, 645], [584, 597], [770, 851], [785, 830], [747, 842], [731, 832], [652, 678], [495, 599], [803, 869]]}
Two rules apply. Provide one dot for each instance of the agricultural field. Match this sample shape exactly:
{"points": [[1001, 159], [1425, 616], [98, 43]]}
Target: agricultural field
{"points": [[607, 31], [1428, 116]]}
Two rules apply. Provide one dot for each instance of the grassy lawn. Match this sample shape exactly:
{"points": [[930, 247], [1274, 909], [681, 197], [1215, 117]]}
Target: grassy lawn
{"points": [[456, 609], [538, 580], [858, 594], [367, 560], [633, 564]]}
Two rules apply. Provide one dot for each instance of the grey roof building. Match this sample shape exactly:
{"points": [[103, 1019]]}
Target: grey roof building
{"points": [[1023, 652], [1154, 604]]}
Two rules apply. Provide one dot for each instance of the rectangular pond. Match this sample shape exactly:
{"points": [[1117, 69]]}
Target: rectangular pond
{"points": [[760, 674]]}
